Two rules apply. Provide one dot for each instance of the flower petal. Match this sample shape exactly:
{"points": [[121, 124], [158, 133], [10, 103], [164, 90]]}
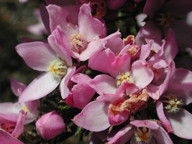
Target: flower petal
{"points": [[37, 55], [161, 136], [93, 117], [122, 136], [60, 19], [181, 85], [39, 87], [64, 82], [6, 138], [89, 27], [181, 123], [141, 74], [103, 84], [17, 87], [82, 94], [162, 117]]}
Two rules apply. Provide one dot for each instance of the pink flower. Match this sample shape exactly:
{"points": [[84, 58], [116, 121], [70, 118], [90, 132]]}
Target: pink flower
{"points": [[14, 116], [50, 125], [115, 61], [80, 39], [109, 110], [170, 106], [50, 59], [163, 15], [141, 131]]}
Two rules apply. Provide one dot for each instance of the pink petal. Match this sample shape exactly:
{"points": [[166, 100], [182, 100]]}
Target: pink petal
{"points": [[93, 117], [145, 123], [156, 91], [17, 87], [73, 14], [10, 108], [122, 136], [161, 136], [114, 42], [32, 106], [37, 55], [117, 119], [82, 94], [39, 87], [151, 32], [109, 98], [151, 7], [162, 117], [181, 123], [64, 82], [142, 74], [170, 47], [80, 78], [103, 84], [145, 51], [6, 138], [92, 49], [115, 64], [57, 16], [89, 27], [100, 61], [181, 85], [60, 44], [19, 128]]}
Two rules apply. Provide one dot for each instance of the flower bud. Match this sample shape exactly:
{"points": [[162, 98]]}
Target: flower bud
{"points": [[50, 125]]}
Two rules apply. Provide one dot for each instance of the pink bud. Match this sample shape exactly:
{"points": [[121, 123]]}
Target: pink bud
{"points": [[50, 125]]}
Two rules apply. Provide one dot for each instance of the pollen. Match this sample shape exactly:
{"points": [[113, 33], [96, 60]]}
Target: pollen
{"points": [[25, 109], [173, 105], [143, 135], [78, 43], [133, 50], [124, 77], [58, 68]]}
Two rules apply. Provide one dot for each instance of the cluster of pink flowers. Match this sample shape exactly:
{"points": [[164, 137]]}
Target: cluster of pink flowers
{"points": [[127, 89]]}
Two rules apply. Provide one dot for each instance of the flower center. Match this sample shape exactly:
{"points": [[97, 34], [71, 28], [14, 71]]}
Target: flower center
{"points": [[133, 50], [124, 77], [25, 108], [134, 103], [58, 68], [173, 105], [78, 43], [143, 135]]}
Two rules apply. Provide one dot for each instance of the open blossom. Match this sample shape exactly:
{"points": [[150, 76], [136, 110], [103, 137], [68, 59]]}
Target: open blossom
{"points": [[173, 14], [170, 109], [13, 116], [119, 66], [80, 39], [50, 125], [141, 131], [55, 64], [109, 110]]}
